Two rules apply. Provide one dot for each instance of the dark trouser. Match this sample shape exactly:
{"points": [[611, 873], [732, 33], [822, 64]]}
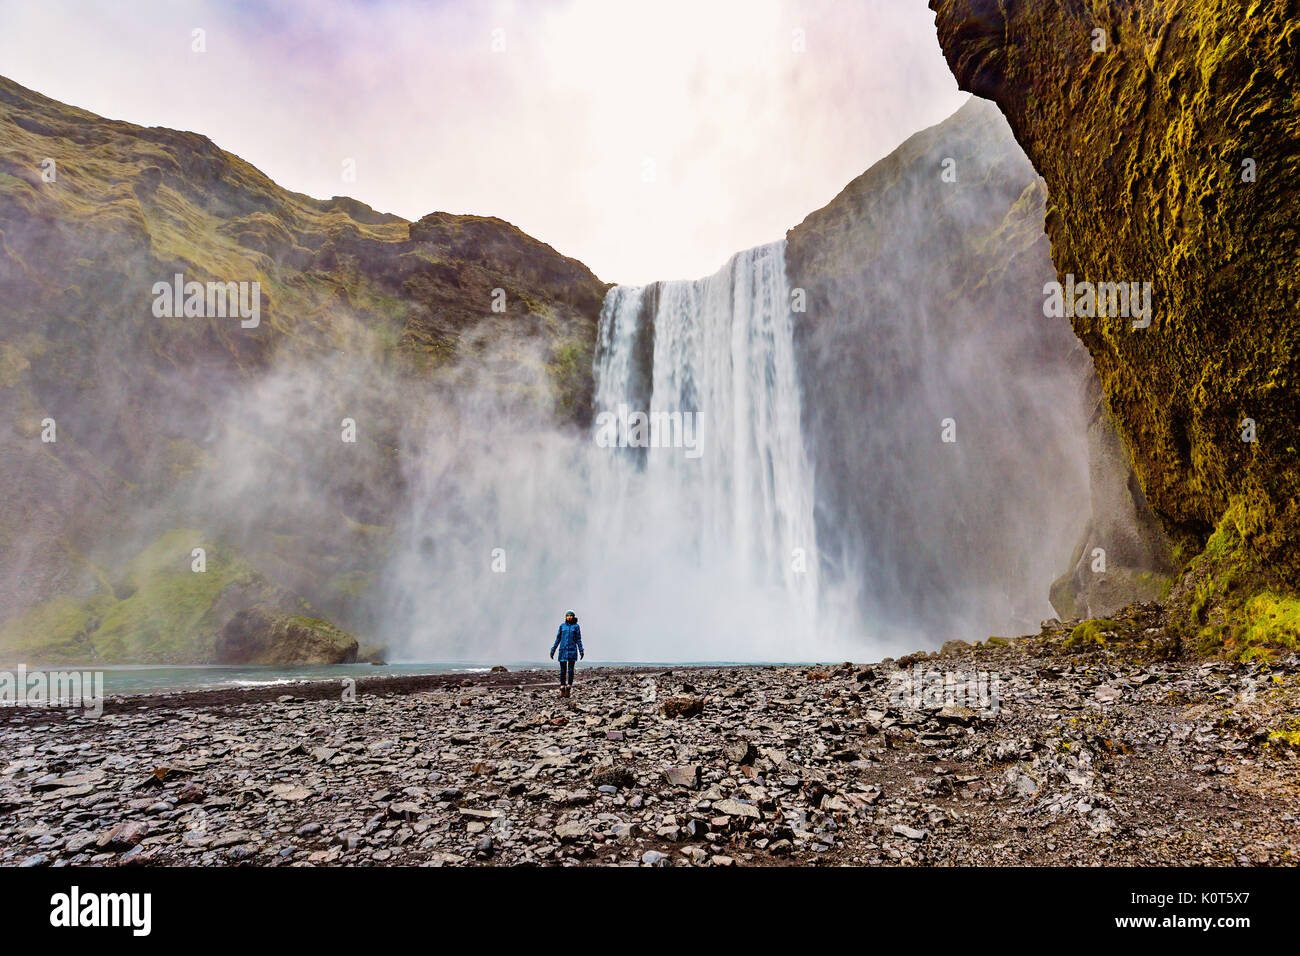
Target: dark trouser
{"points": [[566, 672]]}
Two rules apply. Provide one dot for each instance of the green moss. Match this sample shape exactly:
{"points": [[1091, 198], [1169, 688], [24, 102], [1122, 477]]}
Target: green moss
{"points": [[570, 372], [1231, 605], [165, 612], [57, 630], [1287, 735], [1092, 633], [1157, 584], [316, 624], [1257, 628]]}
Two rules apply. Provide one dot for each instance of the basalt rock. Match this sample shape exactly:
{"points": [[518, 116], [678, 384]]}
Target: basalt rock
{"points": [[265, 635]]}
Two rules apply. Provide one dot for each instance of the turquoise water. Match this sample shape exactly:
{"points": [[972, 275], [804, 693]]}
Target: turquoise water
{"points": [[147, 679]]}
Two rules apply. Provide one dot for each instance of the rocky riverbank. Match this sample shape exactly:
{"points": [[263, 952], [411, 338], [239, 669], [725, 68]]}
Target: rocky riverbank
{"points": [[1060, 748]]}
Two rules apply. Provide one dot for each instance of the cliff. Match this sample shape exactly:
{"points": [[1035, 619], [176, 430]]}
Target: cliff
{"points": [[924, 305], [118, 415], [1168, 134]]}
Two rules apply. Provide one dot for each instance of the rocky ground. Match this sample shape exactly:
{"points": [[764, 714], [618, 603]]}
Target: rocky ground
{"points": [[1089, 755]]}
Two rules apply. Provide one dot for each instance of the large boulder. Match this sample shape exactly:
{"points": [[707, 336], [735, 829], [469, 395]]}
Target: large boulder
{"points": [[267, 635]]}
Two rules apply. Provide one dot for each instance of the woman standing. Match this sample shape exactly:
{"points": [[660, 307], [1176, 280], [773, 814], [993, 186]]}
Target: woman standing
{"points": [[569, 640]]}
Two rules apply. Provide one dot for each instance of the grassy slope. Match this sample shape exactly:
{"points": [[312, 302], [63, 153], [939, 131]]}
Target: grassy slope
{"points": [[134, 395]]}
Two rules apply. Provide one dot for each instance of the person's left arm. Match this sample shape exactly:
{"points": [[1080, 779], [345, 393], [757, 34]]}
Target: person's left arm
{"points": [[577, 636]]}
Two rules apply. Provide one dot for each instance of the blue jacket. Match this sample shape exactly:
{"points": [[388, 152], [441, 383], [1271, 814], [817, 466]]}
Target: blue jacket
{"points": [[569, 640]]}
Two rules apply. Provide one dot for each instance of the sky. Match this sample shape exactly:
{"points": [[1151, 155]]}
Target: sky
{"points": [[650, 139]]}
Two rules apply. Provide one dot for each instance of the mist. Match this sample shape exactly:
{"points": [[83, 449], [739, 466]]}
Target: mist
{"points": [[408, 474]]}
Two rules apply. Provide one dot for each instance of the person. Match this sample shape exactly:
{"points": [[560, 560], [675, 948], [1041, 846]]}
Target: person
{"points": [[569, 641]]}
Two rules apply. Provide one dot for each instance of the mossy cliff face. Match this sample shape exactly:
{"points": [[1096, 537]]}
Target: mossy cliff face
{"points": [[1169, 137], [148, 409]]}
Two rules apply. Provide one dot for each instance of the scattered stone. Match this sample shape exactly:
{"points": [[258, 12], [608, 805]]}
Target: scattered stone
{"points": [[683, 706], [734, 808], [688, 776], [957, 714], [571, 830], [123, 836], [909, 832], [741, 752], [775, 767], [613, 776]]}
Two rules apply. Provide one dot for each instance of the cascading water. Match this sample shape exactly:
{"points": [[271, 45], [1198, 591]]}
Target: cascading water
{"points": [[703, 548], [717, 352], [942, 418]]}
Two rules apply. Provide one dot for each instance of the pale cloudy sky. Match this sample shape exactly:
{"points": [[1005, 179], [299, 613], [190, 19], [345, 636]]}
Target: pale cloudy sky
{"points": [[649, 138]]}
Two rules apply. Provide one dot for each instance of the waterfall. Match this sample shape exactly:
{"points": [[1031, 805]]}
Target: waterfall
{"points": [[687, 524], [736, 516], [680, 528]]}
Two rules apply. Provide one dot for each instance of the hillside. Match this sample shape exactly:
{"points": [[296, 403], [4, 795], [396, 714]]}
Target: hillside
{"points": [[150, 412]]}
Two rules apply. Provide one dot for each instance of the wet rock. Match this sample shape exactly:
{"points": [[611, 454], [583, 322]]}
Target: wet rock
{"points": [[957, 714], [571, 830], [734, 808], [741, 752], [683, 706], [909, 832]]}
